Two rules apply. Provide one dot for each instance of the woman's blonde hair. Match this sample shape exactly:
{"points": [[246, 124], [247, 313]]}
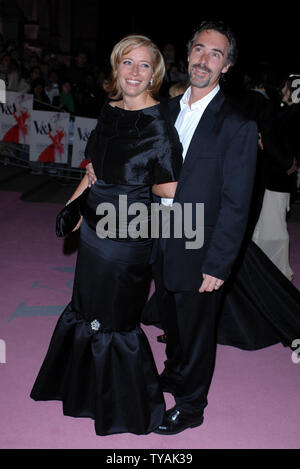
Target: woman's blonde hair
{"points": [[126, 45], [178, 88]]}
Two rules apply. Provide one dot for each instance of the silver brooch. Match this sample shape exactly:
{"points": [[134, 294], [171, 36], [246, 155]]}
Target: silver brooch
{"points": [[95, 325]]}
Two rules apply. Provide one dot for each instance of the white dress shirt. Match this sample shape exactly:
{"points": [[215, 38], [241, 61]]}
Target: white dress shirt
{"points": [[189, 116], [188, 119]]}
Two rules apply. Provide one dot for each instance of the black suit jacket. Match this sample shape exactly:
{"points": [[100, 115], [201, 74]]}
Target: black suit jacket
{"points": [[218, 171]]}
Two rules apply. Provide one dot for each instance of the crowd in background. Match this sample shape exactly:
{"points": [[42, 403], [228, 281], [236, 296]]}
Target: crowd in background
{"points": [[75, 87]]}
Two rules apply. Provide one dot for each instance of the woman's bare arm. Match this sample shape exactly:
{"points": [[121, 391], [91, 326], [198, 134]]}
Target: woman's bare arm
{"points": [[80, 188], [166, 191]]}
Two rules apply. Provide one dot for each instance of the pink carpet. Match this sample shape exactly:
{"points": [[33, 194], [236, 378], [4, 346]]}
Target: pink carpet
{"points": [[254, 400]]}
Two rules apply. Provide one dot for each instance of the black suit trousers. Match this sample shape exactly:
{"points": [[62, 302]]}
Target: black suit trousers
{"points": [[190, 321]]}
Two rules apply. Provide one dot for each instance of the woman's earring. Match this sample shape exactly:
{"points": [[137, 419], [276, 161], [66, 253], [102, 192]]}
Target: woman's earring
{"points": [[151, 82]]}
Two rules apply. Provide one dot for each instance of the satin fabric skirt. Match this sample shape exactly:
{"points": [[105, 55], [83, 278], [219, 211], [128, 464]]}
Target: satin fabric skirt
{"points": [[260, 308], [99, 362]]}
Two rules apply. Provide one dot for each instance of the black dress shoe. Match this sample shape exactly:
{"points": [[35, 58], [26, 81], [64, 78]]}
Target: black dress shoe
{"points": [[175, 421]]}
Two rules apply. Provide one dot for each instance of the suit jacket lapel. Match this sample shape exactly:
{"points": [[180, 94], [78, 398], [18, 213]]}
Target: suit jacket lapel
{"points": [[203, 136]]}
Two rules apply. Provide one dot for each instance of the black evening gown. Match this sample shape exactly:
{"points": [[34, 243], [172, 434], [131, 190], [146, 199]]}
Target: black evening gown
{"points": [[99, 362]]}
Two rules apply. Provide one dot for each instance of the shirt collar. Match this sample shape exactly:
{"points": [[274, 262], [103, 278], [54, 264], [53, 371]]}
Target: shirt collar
{"points": [[203, 102]]}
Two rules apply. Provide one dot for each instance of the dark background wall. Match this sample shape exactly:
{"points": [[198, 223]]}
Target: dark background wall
{"points": [[266, 32]]}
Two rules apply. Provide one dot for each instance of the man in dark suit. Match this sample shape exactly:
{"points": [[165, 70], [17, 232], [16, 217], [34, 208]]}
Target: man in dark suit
{"points": [[219, 151]]}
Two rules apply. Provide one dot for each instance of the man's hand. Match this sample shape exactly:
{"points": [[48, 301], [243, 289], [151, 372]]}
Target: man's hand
{"points": [[90, 174], [210, 283]]}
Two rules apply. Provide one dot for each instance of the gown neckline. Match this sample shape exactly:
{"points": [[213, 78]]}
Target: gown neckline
{"points": [[145, 109]]}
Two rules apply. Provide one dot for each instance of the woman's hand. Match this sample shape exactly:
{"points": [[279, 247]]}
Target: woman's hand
{"points": [[78, 225], [90, 174]]}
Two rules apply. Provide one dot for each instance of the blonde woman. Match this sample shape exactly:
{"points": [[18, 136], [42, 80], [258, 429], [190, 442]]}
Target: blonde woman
{"points": [[99, 362]]}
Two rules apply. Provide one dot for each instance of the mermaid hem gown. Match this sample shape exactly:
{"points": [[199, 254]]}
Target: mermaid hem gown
{"points": [[99, 362]]}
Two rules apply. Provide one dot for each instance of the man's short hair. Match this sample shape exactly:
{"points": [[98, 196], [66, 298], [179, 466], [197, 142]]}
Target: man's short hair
{"points": [[221, 28]]}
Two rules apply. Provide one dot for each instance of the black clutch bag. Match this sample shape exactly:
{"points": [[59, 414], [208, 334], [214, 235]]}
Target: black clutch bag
{"points": [[70, 215]]}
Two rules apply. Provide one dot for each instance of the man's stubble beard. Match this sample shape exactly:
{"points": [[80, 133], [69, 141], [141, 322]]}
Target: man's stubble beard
{"points": [[203, 84], [200, 84]]}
